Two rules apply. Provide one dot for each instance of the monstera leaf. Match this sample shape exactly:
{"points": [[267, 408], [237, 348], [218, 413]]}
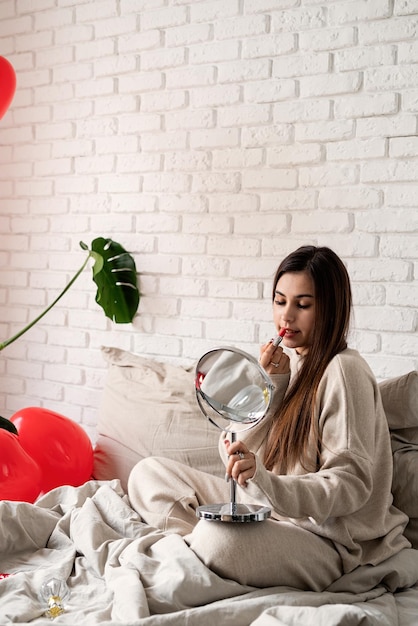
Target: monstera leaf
{"points": [[114, 273]]}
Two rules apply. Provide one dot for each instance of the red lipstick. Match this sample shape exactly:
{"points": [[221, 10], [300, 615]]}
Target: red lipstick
{"points": [[278, 340]]}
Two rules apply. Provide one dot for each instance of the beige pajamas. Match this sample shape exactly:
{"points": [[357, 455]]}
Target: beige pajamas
{"points": [[261, 554]]}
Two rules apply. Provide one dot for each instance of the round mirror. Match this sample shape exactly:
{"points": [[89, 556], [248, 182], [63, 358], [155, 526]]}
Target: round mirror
{"points": [[232, 388], [234, 393]]}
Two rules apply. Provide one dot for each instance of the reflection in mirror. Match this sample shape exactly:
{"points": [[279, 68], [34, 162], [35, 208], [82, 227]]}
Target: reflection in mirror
{"points": [[231, 386], [234, 393]]}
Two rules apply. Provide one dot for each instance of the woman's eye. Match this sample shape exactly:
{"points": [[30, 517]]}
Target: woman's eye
{"points": [[304, 306], [279, 302]]}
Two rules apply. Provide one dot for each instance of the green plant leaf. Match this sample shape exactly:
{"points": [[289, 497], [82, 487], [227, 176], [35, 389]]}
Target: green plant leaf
{"points": [[8, 425], [114, 273]]}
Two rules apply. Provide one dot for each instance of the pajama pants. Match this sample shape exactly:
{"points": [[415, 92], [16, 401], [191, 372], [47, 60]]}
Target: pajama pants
{"points": [[166, 495]]}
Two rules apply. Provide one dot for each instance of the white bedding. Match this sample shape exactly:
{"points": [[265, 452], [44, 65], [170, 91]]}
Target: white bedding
{"points": [[122, 572]]}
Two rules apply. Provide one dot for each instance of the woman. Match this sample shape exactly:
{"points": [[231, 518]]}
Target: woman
{"points": [[321, 459]]}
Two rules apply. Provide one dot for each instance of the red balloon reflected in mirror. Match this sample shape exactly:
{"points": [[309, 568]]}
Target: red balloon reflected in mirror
{"points": [[7, 85], [60, 446]]}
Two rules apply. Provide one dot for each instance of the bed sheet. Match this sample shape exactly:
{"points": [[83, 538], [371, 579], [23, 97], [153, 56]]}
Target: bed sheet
{"points": [[122, 572]]}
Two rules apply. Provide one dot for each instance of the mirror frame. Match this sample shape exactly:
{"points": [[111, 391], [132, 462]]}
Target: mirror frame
{"points": [[221, 409]]}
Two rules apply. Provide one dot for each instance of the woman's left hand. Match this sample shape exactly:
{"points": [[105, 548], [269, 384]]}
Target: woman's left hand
{"points": [[241, 462]]}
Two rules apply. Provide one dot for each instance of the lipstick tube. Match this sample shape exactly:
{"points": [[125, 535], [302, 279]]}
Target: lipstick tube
{"points": [[278, 340]]}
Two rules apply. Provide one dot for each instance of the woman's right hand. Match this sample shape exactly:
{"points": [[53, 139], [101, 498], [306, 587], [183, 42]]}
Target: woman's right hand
{"points": [[273, 359]]}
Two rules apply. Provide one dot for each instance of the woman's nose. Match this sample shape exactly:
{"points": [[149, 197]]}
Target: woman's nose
{"points": [[287, 314]]}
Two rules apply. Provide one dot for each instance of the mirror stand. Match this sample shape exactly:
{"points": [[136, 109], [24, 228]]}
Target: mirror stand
{"points": [[233, 511], [232, 387]]}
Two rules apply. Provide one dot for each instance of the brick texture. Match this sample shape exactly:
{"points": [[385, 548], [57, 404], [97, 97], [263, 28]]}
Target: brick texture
{"points": [[210, 138]]}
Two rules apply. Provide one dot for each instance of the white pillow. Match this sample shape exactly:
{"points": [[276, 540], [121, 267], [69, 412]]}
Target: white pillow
{"points": [[150, 409]]}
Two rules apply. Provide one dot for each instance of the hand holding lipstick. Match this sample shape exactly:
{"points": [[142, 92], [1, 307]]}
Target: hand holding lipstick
{"points": [[272, 358]]}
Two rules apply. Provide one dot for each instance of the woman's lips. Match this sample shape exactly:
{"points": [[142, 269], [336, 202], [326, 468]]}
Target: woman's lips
{"points": [[289, 332]]}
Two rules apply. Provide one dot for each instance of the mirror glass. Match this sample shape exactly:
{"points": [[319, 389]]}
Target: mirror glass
{"points": [[232, 389]]}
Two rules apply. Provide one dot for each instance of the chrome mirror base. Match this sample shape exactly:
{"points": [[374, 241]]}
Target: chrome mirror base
{"points": [[233, 512]]}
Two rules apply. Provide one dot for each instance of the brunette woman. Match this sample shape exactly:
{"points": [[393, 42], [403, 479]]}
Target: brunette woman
{"points": [[321, 459]]}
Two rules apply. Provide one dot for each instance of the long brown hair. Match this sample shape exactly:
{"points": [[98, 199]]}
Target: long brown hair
{"points": [[290, 430]]}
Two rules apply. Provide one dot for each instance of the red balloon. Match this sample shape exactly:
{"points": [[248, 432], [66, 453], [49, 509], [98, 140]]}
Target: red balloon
{"points": [[20, 475], [7, 85], [60, 446]]}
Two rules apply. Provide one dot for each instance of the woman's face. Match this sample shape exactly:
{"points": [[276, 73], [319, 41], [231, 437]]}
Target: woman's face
{"points": [[294, 309]]}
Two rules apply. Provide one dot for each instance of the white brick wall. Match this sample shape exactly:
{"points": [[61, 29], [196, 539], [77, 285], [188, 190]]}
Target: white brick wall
{"points": [[210, 138]]}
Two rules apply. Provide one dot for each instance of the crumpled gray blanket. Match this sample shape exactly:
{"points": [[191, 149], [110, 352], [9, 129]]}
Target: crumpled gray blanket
{"points": [[121, 572]]}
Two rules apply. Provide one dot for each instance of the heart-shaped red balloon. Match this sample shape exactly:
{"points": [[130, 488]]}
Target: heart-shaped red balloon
{"points": [[20, 476], [60, 446], [7, 85]]}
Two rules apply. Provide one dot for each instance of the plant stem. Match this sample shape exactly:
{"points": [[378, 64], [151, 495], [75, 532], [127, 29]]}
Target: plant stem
{"points": [[36, 320]]}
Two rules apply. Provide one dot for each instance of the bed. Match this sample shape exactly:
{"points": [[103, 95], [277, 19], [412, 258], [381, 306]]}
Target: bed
{"points": [[122, 572]]}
